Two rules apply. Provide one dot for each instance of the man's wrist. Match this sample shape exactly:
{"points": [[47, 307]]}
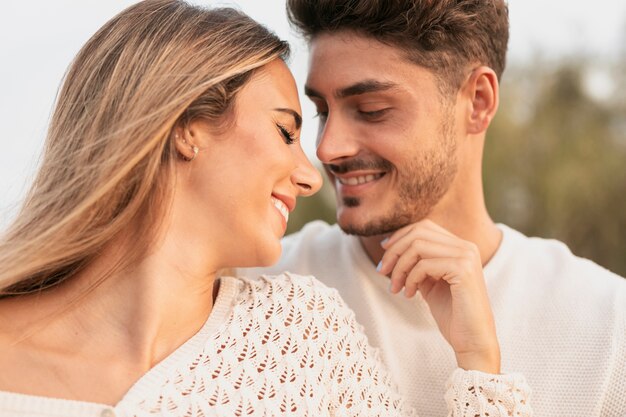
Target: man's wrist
{"points": [[487, 361]]}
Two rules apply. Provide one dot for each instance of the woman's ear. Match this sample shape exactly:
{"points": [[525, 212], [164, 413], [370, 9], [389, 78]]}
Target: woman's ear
{"points": [[482, 90], [185, 142]]}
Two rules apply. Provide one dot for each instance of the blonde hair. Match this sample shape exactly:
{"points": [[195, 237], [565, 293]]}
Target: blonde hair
{"points": [[108, 157]]}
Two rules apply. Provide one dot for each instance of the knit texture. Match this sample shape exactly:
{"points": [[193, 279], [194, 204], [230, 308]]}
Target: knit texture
{"points": [[284, 345], [561, 321]]}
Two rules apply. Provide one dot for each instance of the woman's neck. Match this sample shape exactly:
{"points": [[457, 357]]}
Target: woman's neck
{"points": [[135, 317], [150, 307]]}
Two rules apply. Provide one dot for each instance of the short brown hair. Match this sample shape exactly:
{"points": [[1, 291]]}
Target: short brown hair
{"points": [[444, 36]]}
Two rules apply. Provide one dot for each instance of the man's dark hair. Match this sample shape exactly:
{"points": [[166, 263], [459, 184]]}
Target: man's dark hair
{"points": [[444, 36]]}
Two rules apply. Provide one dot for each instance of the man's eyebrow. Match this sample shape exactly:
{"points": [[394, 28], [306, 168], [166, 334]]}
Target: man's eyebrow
{"points": [[295, 114], [362, 87]]}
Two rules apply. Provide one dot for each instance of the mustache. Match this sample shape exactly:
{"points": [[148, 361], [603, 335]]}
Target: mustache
{"points": [[359, 164]]}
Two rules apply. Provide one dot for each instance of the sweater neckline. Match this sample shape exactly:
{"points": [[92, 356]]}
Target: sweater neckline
{"points": [[26, 403], [219, 313], [362, 259], [500, 258]]}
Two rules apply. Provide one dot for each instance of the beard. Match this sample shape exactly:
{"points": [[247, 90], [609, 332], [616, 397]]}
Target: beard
{"points": [[421, 185]]}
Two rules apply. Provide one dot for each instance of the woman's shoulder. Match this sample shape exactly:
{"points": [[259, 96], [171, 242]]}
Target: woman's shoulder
{"points": [[289, 293], [286, 283]]}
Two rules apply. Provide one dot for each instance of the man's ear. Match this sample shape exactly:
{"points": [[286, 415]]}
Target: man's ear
{"points": [[482, 89]]}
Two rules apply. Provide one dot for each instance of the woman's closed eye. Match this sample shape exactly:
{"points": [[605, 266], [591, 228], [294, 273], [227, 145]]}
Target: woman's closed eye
{"points": [[288, 135]]}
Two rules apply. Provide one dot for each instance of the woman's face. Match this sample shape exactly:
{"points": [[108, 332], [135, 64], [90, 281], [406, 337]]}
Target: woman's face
{"points": [[244, 181]]}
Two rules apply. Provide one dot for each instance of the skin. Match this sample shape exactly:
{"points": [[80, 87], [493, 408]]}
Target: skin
{"points": [[415, 156], [100, 346]]}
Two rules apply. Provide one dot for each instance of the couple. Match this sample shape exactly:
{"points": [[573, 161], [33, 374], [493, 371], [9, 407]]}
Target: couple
{"points": [[173, 153]]}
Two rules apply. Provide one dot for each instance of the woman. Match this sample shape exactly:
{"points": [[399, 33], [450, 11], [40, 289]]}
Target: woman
{"points": [[172, 154]]}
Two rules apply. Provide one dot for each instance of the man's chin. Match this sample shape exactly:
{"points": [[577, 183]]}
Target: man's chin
{"points": [[370, 227], [367, 221], [363, 231]]}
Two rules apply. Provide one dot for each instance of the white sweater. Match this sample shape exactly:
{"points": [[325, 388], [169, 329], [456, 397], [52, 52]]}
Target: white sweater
{"points": [[561, 321], [280, 346]]}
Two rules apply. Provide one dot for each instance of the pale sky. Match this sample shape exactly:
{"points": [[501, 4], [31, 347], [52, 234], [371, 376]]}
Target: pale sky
{"points": [[39, 38]]}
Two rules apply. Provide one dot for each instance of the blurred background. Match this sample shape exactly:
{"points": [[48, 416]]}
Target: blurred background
{"points": [[555, 161]]}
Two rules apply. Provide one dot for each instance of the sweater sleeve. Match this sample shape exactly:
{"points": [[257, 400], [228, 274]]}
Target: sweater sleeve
{"points": [[474, 393], [362, 386]]}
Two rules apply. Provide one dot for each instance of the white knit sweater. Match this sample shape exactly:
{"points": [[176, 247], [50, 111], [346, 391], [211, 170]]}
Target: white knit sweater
{"points": [[280, 346], [561, 321]]}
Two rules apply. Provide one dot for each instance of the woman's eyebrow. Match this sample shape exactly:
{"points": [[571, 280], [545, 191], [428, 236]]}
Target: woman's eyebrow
{"points": [[296, 116]]}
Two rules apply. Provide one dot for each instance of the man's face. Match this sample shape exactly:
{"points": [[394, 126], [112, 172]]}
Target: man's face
{"points": [[387, 138]]}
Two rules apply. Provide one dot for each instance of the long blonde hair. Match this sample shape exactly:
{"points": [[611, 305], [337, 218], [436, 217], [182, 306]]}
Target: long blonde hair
{"points": [[108, 156]]}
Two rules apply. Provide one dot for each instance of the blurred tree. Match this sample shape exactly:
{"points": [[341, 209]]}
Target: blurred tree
{"points": [[555, 160]]}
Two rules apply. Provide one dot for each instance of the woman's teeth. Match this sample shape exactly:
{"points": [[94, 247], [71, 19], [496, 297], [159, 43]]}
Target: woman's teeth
{"points": [[281, 207], [361, 179]]}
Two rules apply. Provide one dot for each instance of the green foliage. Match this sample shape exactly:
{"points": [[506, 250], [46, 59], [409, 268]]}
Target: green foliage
{"points": [[555, 160]]}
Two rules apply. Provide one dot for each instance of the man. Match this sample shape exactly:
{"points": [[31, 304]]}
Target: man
{"points": [[405, 91]]}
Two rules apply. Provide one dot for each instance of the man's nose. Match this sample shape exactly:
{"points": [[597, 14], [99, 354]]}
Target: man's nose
{"points": [[335, 140]]}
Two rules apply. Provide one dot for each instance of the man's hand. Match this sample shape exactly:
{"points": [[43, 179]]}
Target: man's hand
{"points": [[448, 272]]}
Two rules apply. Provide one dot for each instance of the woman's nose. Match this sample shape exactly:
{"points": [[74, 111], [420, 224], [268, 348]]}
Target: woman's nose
{"points": [[306, 177]]}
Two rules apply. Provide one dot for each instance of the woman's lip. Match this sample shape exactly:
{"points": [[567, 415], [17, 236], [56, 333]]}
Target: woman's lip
{"points": [[282, 211], [290, 202]]}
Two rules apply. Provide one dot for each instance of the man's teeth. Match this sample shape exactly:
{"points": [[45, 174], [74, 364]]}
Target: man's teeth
{"points": [[361, 179], [281, 207]]}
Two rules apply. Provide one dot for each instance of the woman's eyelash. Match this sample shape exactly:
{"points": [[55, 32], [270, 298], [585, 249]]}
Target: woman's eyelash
{"points": [[289, 136]]}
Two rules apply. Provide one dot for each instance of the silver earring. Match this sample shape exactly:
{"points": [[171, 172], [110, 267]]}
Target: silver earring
{"points": [[195, 153], [194, 149]]}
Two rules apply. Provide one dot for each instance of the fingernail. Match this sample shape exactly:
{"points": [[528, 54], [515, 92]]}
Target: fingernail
{"points": [[385, 240], [379, 266]]}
